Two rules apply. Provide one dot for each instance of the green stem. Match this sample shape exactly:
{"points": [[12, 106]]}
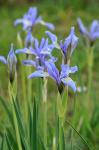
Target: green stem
{"points": [[90, 66], [29, 84], [54, 143], [60, 135], [23, 81], [44, 94], [23, 76]]}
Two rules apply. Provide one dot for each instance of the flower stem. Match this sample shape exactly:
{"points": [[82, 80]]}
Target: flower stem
{"points": [[60, 134], [44, 94], [90, 66]]}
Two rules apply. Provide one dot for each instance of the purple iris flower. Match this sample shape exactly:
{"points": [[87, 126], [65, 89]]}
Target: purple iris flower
{"points": [[11, 62], [59, 77], [93, 33], [70, 43], [31, 18], [68, 46], [42, 52]]}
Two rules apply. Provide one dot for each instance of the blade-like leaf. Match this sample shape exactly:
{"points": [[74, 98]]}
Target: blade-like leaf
{"points": [[6, 107], [21, 125]]}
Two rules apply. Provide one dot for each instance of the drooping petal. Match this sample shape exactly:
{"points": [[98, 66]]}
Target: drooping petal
{"points": [[50, 26], [69, 82], [38, 73], [18, 21], [3, 59], [23, 51], [29, 63], [73, 69], [52, 36], [38, 20]]}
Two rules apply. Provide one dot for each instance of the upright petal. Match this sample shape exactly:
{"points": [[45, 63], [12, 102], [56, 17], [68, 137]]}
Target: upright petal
{"points": [[64, 71], [36, 44], [29, 39], [52, 70], [70, 43], [82, 28], [74, 39], [42, 43], [94, 27]]}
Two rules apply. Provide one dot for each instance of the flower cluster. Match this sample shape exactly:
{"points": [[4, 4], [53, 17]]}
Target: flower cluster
{"points": [[44, 61], [42, 52]]}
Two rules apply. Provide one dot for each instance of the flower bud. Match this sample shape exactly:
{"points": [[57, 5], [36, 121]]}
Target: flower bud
{"points": [[11, 61]]}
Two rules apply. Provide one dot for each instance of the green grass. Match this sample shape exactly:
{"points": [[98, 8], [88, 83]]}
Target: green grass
{"points": [[63, 20]]}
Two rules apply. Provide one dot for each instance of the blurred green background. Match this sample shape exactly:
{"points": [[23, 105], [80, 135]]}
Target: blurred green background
{"points": [[62, 13]]}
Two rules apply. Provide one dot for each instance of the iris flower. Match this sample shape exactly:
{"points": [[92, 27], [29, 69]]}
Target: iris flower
{"points": [[93, 32], [59, 77], [30, 19], [11, 62], [42, 52], [69, 44]]}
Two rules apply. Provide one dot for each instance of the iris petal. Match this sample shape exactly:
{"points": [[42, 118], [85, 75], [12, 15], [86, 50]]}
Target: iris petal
{"points": [[52, 36], [69, 82], [82, 28], [2, 59], [38, 73]]}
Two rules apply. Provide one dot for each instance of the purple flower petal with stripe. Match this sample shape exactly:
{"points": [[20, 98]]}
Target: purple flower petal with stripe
{"points": [[69, 82], [82, 28], [3, 59], [38, 73], [29, 63]]}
